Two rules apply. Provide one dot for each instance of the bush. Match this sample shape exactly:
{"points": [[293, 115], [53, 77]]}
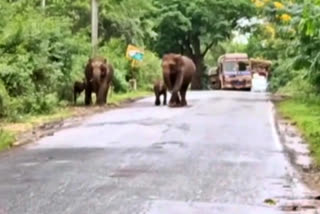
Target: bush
{"points": [[40, 60], [145, 72], [148, 71], [6, 140], [300, 88], [4, 100], [42, 54], [282, 73]]}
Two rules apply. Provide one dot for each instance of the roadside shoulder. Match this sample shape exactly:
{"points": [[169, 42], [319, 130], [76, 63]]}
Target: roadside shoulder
{"points": [[296, 127], [19, 134]]}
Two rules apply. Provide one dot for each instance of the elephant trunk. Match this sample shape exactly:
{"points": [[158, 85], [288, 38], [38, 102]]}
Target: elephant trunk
{"points": [[166, 77], [96, 79]]}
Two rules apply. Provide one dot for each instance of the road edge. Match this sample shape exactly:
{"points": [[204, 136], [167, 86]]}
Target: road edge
{"points": [[49, 128], [300, 171]]}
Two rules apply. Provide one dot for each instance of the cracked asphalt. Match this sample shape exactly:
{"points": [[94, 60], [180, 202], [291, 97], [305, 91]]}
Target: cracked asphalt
{"points": [[221, 154]]}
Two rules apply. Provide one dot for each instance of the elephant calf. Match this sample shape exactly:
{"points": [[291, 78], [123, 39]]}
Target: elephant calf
{"points": [[159, 89], [78, 88]]}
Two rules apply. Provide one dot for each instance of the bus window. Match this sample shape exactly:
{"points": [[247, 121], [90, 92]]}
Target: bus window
{"points": [[230, 67]]}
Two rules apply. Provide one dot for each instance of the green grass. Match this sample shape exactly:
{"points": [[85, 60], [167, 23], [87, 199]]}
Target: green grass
{"points": [[6, 140], [118, 98], [11, 129], [307, 117]]}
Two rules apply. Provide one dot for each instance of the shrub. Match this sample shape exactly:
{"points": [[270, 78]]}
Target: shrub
{"points": [[6, 139], [4, 100], [148, 71]]}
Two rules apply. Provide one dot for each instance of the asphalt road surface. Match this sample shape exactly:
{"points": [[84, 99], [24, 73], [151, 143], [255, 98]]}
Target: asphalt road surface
{"points": [[219, 155]]}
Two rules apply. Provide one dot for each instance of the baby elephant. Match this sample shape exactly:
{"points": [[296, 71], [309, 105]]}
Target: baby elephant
{"points": [[78, 88], [160, 89]]}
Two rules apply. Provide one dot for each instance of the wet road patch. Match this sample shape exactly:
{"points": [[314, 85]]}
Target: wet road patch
{"points": [[144, 122], [128, 173], [193, 207], [161, 145]]}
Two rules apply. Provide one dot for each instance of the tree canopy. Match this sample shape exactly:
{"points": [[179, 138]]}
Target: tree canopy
{"points": [[44, 49], [192, 28], [290, 37]]}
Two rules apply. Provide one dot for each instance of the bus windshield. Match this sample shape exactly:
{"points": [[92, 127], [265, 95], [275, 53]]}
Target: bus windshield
{"points": [[236, 68], [230, 67]]}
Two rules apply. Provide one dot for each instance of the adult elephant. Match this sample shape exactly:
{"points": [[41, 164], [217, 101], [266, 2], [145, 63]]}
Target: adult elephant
{"points": [[99, 74], [177, 71]]}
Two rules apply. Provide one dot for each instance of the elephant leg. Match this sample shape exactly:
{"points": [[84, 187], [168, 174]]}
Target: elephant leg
{"points": [[165, 98], [174, 100], [157, 102], [183, 93], [105, 96], [74, 97], [97, 98], [88, 98], [100, 98], [178, 100], [102, 94]]}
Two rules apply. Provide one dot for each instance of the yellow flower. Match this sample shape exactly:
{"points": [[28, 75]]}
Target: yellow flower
{"points": [[285, 17], [258, 3], [278, 5], [270, 30]]}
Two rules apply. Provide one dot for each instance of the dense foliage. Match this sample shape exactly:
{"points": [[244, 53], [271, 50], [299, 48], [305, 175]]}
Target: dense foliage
{"points": [[289, 36], [193, 27], [44, 50]]}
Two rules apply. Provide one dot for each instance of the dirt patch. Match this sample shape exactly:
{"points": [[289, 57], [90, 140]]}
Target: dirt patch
{"points": [[79, 113], [279, 97]]}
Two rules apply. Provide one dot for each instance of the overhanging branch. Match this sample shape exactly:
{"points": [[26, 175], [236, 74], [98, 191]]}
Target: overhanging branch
{"points": [[208, 48], [188, 47]]}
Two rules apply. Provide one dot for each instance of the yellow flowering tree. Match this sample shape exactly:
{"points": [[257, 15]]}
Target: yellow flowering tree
{"points": [[289, 34]]}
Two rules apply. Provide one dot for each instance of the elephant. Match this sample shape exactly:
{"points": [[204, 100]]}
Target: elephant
{"points": [[178, 71], [78, 88], [99, 75], [159, 89]]}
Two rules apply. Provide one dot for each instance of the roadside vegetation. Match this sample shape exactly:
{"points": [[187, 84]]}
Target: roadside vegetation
{"points": [[45, 45], [306, 115], [44, 49], [290, 37]]}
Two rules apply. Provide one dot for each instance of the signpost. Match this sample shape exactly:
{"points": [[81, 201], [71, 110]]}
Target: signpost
{"points": [[134, 54]]}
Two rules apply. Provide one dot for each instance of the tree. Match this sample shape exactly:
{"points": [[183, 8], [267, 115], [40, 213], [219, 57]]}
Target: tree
{"points": [[127, 19], [290, 37], [192, 28]]}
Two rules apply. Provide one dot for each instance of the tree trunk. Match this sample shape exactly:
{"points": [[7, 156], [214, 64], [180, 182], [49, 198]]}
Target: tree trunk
{"points": [[43, 4], [94, 26], [196, 83]]}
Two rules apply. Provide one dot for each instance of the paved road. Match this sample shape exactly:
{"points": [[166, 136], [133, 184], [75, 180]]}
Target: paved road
{"points": [[220, 155]]}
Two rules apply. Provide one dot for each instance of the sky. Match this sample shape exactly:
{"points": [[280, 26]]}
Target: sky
{"points": [[243, 38]]}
